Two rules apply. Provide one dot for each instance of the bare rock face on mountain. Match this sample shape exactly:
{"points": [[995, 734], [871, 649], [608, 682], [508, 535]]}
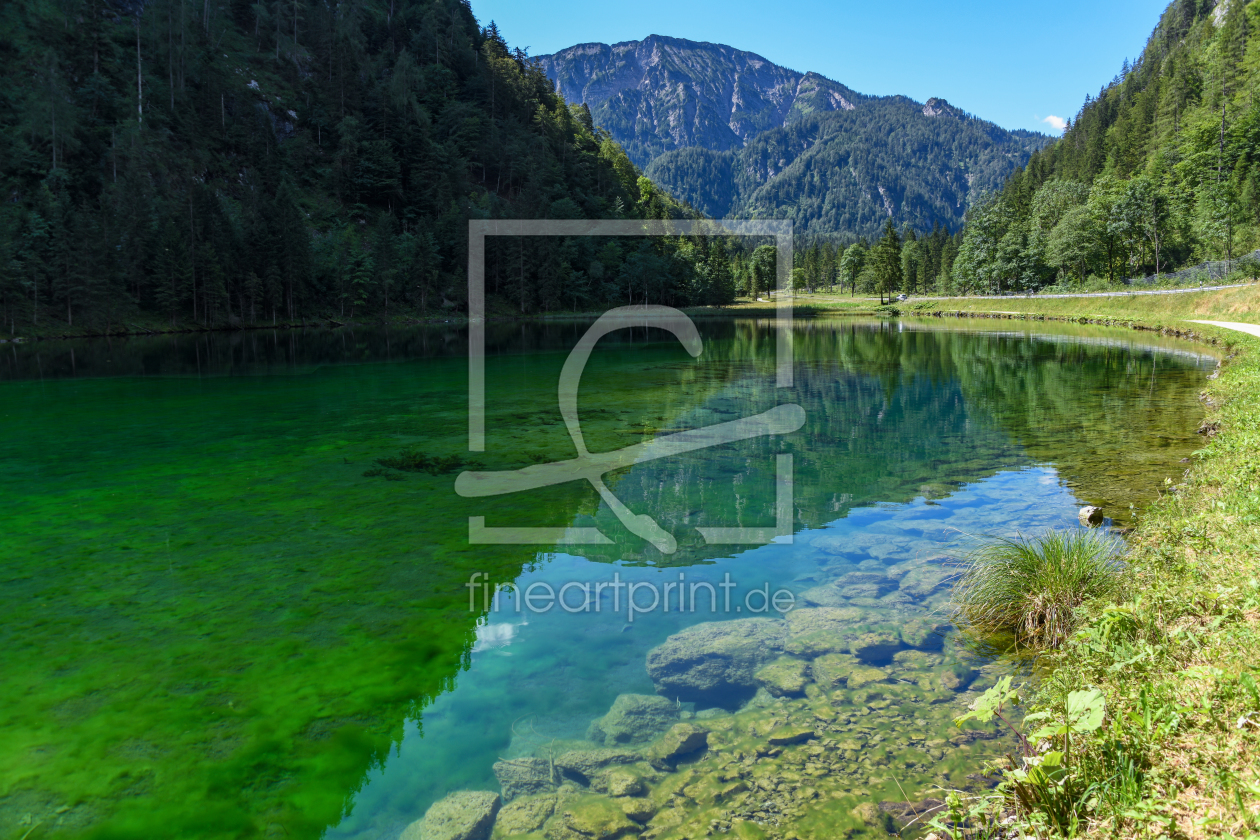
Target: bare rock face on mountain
{"points": [[735, 134], [716, 663]]}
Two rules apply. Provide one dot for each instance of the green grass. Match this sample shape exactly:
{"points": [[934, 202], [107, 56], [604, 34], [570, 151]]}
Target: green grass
{"points": [[1178, 656], [1028, 588]]}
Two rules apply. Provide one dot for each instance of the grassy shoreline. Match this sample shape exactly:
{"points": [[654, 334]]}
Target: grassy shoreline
{"points": [[1177, 657]]}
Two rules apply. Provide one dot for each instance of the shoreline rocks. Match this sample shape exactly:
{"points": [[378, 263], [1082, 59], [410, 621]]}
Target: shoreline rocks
{"points": [[1090, 516]]}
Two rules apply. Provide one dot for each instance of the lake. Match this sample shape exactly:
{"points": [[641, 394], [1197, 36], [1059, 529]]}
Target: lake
{"points": [[242, 597]]}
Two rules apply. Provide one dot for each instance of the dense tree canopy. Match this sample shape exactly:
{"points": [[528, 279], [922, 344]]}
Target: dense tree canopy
{"points": [[1161, 169], [236, 162]]}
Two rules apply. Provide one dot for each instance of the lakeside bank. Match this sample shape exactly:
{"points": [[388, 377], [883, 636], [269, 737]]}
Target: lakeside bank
{"points": [[1178, 657]]}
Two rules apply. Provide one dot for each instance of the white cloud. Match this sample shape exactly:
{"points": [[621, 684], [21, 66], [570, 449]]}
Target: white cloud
{"points": [[1057, 123]]}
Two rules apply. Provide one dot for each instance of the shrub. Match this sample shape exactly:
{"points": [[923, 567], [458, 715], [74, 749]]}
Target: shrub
{"points": [[1029, 587]]}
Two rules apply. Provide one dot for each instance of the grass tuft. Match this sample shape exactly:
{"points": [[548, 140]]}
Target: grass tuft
{"points": [[1030, 587]]}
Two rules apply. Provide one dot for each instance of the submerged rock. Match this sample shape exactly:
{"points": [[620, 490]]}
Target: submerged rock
{"points": [[905, 813], [833, 669], [584, 764], [864, 675], [465, 815], [876, 647], [917, 660], [785, 735], [865, 585], [638, 809], [870, 815], [634, 719], [715, 663], [622, 782], [924, 633], [824, 596], [957, 678], [926, 580], [784, 677], [681, 740], [813, 632], [590, 817], [524, 777], [525, 815]]}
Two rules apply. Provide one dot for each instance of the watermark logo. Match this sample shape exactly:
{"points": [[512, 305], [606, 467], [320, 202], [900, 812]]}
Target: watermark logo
{"points": [[593, 467], [638, 596]]}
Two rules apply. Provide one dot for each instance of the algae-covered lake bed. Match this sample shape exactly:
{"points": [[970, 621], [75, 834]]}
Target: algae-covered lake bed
{"points": [[237, 596]]}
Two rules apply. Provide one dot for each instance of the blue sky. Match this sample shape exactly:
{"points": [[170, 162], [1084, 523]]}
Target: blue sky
{"points": [[1015, 63]]}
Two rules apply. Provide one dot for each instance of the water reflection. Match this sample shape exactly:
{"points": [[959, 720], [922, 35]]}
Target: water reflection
{"points": [[217, 623]]}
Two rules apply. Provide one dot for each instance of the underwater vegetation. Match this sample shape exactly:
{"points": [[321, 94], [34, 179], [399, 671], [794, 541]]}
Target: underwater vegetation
{"points": [[412, 460]]}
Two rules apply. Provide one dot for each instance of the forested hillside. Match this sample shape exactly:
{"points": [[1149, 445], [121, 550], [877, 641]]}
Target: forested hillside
{"points": [[180, 162], [844, 173], [1160, 170], [734, 134]]}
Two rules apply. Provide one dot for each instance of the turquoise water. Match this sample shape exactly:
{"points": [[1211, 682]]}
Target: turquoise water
{"points": [[225, 618]]}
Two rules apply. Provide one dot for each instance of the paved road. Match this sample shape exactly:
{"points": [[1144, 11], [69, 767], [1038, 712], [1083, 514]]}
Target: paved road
{"points": [[1252, 329]]}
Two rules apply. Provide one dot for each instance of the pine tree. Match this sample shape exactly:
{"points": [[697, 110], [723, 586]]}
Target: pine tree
{"points": [[886, 261]]}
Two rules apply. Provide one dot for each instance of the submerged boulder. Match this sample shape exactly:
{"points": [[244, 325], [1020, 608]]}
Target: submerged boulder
{"points": [[464, 815], [584, 764], [908, 813], [925, 633], [864, 675], [957, 678], [865, 584], [876, 647], [784, 677], [832, 669], [926, 580], [681, 740], [633, 719], [590, 817], [638, 809], [715, 663], [826, 595], [620, 781], [813, 632], [917, 660], [524, 776], [525, 815], [786, 735]]}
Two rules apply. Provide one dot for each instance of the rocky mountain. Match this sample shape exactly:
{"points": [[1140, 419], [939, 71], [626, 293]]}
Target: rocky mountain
{"points": [[737, 135]]}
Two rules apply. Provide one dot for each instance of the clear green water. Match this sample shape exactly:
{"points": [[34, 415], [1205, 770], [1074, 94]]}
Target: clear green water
{"points": [[216, 625]]}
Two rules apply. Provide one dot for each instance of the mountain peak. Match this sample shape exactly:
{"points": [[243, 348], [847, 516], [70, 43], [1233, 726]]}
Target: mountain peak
{"points": [[733, 133], [934, 107], [688, 93]]}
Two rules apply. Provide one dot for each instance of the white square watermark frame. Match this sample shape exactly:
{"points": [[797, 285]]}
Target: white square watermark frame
{"points": [[771, 422]]}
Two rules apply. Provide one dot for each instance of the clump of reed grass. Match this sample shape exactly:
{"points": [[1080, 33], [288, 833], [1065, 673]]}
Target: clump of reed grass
{"points": [[1029, 588]]}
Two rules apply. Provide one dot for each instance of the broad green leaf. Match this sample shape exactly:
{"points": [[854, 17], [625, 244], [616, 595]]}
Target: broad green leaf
{"points": [[1085, 710], [984, 707]]}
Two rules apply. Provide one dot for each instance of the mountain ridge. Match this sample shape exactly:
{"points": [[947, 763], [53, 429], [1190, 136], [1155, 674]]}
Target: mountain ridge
{"points": [[733, 133], [770, 101]]}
